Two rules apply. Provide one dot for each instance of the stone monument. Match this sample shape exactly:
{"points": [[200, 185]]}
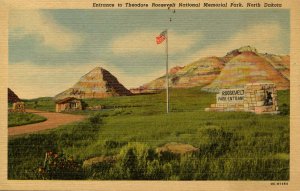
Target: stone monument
{"points": [[255, 97], [18, 107]]}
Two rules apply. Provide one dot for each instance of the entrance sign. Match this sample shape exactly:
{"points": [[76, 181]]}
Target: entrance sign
{"points": [[255, 97], [231, 96]]}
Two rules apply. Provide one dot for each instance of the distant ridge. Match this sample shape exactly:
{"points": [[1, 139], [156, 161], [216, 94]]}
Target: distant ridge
{"points": [[236, 68]]}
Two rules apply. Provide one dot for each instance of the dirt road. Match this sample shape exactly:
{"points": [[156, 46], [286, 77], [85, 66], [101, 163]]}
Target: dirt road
{"points": [[53, 120]]}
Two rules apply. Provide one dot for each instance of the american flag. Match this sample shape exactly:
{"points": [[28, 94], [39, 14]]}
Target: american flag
{"points": [[161, 37]]}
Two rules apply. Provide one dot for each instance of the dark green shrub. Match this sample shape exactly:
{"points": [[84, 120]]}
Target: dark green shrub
{"points": [[59, 167], [129, 164], [154, 171], [284, 109], [100, 170], [219, 142], [109, 144], [188, 167], [133, 159], [167, 156], [167, 170], [84, 104], [96, 118]]}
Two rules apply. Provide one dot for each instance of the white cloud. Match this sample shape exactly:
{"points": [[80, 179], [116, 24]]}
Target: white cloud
{"points": [[31, 81], [264, 37], [144, 42], [34, 22]]}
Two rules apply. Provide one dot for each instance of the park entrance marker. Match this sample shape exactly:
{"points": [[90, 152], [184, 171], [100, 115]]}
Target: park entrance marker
{"points": [[255, 97]]}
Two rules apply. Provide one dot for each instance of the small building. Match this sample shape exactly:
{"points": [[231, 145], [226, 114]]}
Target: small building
{"points": [[255, 97], [18, 107], [68, 104]]}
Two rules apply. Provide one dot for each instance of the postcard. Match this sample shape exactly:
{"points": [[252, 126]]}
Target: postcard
{"points": [[150, 95]]}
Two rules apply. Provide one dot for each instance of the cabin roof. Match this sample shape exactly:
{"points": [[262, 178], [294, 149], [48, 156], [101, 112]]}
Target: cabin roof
{"points": [[66, 100]]}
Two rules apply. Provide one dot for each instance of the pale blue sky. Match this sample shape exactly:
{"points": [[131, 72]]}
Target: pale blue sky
{"points": [[49, 42]]}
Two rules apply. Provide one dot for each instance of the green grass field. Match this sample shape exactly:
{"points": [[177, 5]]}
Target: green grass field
{"points": [[17, 119], [44, 103], [232, 145]]}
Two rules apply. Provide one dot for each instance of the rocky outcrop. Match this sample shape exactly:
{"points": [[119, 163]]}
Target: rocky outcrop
{"points": [[89, 163], [177, 148], [12, 97], [98, 83]]}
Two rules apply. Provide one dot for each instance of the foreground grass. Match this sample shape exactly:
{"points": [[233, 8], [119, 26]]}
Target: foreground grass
{"points": [[232, 145], [17, 119]]}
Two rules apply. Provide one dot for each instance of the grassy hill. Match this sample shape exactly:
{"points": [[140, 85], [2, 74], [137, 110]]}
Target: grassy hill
{"points": [[232, 145]]}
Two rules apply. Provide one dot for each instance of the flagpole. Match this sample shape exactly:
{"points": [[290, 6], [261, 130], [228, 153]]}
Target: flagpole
{"points": [[167, 73]]}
